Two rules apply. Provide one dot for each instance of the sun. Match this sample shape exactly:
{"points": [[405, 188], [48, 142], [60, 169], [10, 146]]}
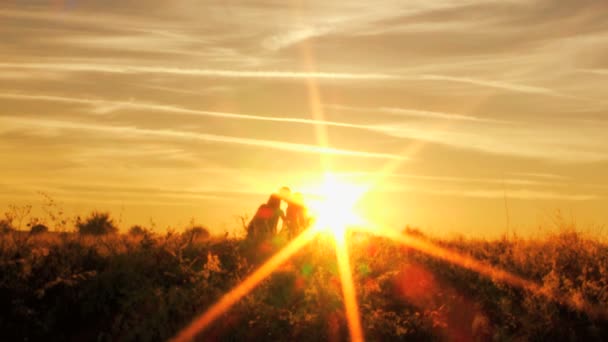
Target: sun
{"points": [[333, 206]]}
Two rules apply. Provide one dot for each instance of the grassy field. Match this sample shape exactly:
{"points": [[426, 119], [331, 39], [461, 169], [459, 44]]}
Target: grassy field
{"points": [[144, 286]]}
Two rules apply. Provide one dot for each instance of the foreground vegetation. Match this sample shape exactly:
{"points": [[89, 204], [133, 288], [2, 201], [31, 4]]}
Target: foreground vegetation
{"points": [[93, 284]]}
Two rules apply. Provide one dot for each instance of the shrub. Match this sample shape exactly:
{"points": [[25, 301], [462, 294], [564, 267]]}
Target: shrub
{"points": [[196, 233], [6, 227], [65, 287], [39, 229], [138, 230], [96, 224]]}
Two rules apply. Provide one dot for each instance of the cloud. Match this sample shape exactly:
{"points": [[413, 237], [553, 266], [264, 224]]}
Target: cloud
{"points": [[521, 88], [128, 131], [282, 40], [205, 90], [602, 72], [120, 190], [541, 175], [106, 106], [563, 142], [413, 113], [134, 69], [17, 75], [457, 180], [520, 80], [473, 133], [521, 194]]}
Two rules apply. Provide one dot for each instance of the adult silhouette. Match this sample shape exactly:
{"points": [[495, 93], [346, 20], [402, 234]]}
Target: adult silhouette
{"points": [[265, 221], [296, 217]]}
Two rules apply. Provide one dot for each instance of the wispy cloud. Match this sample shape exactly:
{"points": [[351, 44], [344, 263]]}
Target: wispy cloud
{"points": [[206, 90], [457, 180], [282, 40], [138, 192], [468, 79], [541, 175], [521, 194], [106, 106], [412, 113], [516, 87], [135, 69], [603, 72], [187, 135], [523, 139], [459, 131]]}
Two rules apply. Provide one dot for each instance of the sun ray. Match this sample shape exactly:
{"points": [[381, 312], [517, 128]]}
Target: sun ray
{"points": [[315, 102], [482, 268], [452, 257], [348, 289], [392, 165], [238, 292], [334, 213]]}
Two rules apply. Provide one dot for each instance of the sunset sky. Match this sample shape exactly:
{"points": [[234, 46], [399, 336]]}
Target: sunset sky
{"points": [[169, 110]]}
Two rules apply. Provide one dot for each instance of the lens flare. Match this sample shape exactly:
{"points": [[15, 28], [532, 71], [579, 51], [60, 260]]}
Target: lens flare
{"points": [[335, 213], [348, 290], [333, 210], [485, 269], [246, 286]]}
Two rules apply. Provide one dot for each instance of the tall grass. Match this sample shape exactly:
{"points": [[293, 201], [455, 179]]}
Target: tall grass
{"points": [[146, 286]]}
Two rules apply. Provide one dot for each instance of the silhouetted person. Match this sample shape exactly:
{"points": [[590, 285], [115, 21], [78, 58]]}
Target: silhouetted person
{"points": [[265, 221], [285, 193], [296, 218], [275, 212]]}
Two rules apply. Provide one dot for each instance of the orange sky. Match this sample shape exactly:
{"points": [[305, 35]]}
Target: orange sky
{"points": [[177, 109]]}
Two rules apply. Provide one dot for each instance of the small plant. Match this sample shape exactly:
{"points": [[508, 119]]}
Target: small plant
{"points": [[196, 233], [55, 214], [6, 226], [96, 224], [17, 214], [39, 229], [138, 230]]}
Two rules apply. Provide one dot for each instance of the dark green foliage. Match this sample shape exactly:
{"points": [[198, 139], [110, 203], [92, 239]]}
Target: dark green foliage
{"points": [[96, 224]]}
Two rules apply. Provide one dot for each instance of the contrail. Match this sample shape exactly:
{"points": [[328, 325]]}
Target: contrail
{"points": [[136, 69], [523, 88], [188, 135], [106, 106], [407, 112]]}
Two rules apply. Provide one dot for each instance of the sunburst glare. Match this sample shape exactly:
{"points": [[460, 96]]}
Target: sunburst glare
{"points": [[303, 170], [333, 205]]}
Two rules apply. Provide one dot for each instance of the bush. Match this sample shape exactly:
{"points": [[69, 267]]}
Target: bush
{"points": [[6, 227], [196, 233], [39, 229], [96, 224], [146, 288], [138, 230]]}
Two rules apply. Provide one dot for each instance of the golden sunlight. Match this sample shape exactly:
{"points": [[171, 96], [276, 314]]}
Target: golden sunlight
{"points": [[333, 205], [297, 171]]}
